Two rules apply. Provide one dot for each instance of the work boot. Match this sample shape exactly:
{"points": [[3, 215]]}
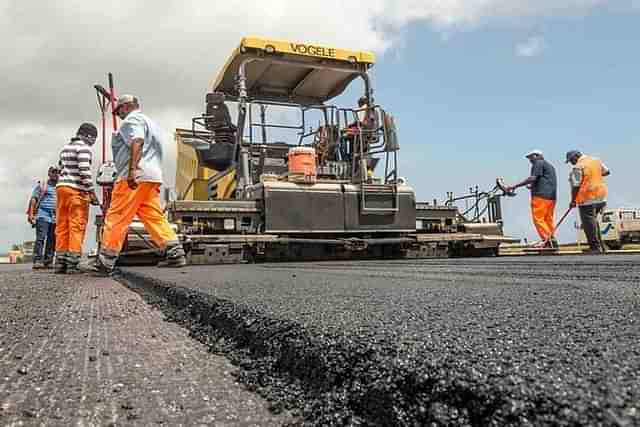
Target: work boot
{"points": [[554, 243], [47, 263], [61, 264], [174, 257], [38, 265], [104, 265], [73, 263]]}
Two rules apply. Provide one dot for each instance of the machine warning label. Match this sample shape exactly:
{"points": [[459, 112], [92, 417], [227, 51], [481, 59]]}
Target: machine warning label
{"points": [[307, 49]]}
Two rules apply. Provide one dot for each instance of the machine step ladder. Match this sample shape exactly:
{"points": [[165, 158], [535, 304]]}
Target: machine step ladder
{"points": [[384, 193]]}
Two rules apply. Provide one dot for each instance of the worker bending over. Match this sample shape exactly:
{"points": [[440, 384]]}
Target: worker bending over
{"points": [[589, 193], [137, 154], [543, 183], [74, 192]]}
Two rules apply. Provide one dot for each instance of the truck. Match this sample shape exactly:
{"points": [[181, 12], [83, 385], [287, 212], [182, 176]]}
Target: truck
{"points": [[618, 227]]}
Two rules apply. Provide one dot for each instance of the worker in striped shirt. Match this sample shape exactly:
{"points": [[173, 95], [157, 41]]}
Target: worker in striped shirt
{"points": [[74, 193]]}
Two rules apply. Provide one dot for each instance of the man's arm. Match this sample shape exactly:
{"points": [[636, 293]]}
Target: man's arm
{"points": [[36, 194], [136, 154], [133, 131], [31, 215], [574, 194], [575, 180], [527, 181]]}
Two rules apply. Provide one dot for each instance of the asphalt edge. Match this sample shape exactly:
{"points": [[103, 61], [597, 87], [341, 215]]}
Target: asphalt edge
{"points": [[326, 380]]}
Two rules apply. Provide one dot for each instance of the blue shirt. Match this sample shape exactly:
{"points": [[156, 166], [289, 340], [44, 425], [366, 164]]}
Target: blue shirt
{"points": [[137, 125], [47, 206], [546, 185]]}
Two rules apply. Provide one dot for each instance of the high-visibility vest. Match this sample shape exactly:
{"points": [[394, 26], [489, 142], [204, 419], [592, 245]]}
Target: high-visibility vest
{"points": [[592, 187]]}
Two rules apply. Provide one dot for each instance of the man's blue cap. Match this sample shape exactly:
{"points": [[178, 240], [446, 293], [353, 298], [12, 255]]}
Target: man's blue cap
{"points": [[571, 154]]}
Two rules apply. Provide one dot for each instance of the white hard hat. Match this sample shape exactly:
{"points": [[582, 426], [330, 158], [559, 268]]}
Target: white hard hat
{"points": [[532, 152]]}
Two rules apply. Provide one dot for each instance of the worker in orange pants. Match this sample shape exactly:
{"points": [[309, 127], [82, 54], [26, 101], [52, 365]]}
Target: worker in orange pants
{"points": [[74, 192], [543, 183], [73, 215], [126, 203], [137, 148], [542, 212]]}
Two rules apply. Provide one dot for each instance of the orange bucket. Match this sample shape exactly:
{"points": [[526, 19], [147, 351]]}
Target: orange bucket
{"points": [[302, 161]]}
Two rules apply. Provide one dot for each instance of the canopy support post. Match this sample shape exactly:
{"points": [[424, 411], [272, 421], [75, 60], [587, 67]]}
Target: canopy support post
{"points": [[244, 177]]}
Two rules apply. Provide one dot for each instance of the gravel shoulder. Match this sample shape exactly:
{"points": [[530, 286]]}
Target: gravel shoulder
{"points": [[501, 341], [77, 350]]}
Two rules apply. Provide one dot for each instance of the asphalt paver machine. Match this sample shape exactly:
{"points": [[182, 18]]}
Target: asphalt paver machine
{"points": [[296, 177]]}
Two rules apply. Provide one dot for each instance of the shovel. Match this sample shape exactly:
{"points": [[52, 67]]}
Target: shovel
{"points": [[566, 214]]}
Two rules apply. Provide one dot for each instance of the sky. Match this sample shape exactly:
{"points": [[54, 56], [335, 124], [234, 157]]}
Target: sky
{"points": [[473, 84]]}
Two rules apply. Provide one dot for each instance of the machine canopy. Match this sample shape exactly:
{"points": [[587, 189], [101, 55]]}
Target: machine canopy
{"points": [[297, 73]]}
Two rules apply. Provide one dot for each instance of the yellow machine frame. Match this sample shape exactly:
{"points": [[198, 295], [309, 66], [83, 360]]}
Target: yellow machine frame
{"points": [[298, 73]]}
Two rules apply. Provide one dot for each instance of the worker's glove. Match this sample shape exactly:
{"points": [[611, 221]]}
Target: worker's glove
{"points": [[31, 219]]}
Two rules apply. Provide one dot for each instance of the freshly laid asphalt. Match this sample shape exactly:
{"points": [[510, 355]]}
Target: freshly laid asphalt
{"points": [[84, 351], [495, 341]]}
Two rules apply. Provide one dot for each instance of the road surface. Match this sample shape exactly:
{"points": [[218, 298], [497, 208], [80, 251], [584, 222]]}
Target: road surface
{"points": [[83, 351], [499, 341]]}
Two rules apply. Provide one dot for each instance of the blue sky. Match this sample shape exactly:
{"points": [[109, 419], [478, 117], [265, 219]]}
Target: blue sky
{"points": [[469, 107], [473, 84]]}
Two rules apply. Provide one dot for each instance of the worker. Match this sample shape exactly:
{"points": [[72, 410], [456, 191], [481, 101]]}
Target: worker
{"points": [[74, 193], [364, 112], [42, 216], [137, 153], [544, 192], [589, 193]]}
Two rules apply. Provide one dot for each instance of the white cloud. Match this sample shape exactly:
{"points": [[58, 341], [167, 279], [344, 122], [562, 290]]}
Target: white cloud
{"points": [[533, 46], [460, 13], [167, 52]]}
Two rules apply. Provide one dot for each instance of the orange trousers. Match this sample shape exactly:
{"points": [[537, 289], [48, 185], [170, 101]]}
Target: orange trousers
{"points": [[72, 216], [126, 203], [542, 212]]}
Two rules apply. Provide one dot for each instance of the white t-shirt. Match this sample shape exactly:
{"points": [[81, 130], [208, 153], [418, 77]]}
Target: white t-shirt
{"points": [[137, 125]]}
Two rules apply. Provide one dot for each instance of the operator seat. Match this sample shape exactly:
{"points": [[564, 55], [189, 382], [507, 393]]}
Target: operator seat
{"points": [[219, 156]]}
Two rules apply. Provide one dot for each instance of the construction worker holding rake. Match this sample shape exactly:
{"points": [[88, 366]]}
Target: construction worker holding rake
{"points": [[589, 194]]}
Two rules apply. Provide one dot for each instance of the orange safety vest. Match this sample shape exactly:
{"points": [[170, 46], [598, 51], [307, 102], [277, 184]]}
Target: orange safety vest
{"points": [[592, 187]]}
